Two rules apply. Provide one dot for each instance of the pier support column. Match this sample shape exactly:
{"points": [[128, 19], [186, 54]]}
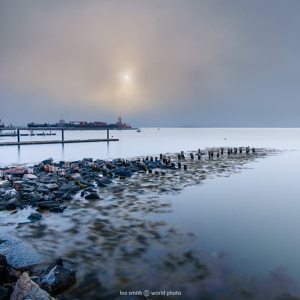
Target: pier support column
{"points": [[108, 134], [18, 133], [62, 135]]}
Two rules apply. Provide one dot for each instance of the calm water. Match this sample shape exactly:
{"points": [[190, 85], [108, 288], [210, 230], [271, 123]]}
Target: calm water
{"points": [[246, 223]]}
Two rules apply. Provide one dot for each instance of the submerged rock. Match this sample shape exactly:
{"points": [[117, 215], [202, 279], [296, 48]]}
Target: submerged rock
{"points": [[58, 280], [35, 217], [27, 289], [92, 196]]}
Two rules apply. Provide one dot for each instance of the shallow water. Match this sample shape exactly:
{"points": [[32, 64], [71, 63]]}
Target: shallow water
{"points": [[225, 228]]}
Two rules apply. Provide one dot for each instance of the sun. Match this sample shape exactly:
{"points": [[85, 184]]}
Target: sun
{"points": [[127, 77]]}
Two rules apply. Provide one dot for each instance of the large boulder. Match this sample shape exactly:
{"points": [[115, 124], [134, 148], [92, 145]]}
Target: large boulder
{"points": [[58, 280], [27, 289]]}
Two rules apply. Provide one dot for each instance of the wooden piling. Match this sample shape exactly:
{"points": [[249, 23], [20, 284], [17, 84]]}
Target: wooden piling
{"points": [[185, 167]]}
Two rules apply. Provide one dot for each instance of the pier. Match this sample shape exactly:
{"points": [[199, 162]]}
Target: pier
{"points": [[62, 129]]}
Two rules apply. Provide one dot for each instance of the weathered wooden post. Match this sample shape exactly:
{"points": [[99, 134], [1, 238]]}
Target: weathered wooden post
{"points": [[192, 155], [185, 167], [150, 171], [62, 135], [253, 150], [222, 151], [18, 133], [107, 134], [179, 165], [241, 151], [212, 153], [179, 156], [156, 158], [160, 156], [218, 153], [209, 154], [228, 151]]}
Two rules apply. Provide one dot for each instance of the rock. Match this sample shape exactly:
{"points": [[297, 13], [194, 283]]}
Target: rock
{"points": [[3, 261], [48, 204], [52, 186], [56, 209], [92, 196], [104, 181], [34, 197], [13, 204], [11, 194], [5, 184], [57, 262], [67, 197], [35, 217], [4, 293], [27, 289], [16, 171], [3, 205], [3, 273], [58, 280], [30, 176], [12, 275], [48, 161]]}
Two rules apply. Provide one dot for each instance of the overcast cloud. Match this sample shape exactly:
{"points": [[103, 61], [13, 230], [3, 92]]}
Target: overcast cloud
{"points": [[210, 63]]}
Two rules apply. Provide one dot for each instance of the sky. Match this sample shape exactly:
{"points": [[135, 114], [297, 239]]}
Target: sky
{"points": [[214, 63]]}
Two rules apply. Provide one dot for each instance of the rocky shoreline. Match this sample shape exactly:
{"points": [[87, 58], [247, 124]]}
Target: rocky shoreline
{"points": [[110, 188], [31, 283]]}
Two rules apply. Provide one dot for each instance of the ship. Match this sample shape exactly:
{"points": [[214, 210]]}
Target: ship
{"points": [[80, 124]]}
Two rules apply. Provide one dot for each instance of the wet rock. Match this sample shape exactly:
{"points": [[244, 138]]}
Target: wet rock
{"points": [[48, 161], [35, 217], [104, 182], [13, 204], [58, 280], [5, 184], [30, 176], [66, 197], [56, 209], [16, 171], [27, 289], [3, 261], [48, 204], [58, 262], [11, 194], [34, 197], [5, 293], [92, 196], [12, 275], [52, 186]]}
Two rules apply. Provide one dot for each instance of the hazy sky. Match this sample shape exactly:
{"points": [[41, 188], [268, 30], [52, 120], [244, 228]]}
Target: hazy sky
{"points": [[226, 63]]}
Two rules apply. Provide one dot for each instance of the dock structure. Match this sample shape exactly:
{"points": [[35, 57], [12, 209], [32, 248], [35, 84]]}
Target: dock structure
{"points": [[56, 142], [62, 129]]}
